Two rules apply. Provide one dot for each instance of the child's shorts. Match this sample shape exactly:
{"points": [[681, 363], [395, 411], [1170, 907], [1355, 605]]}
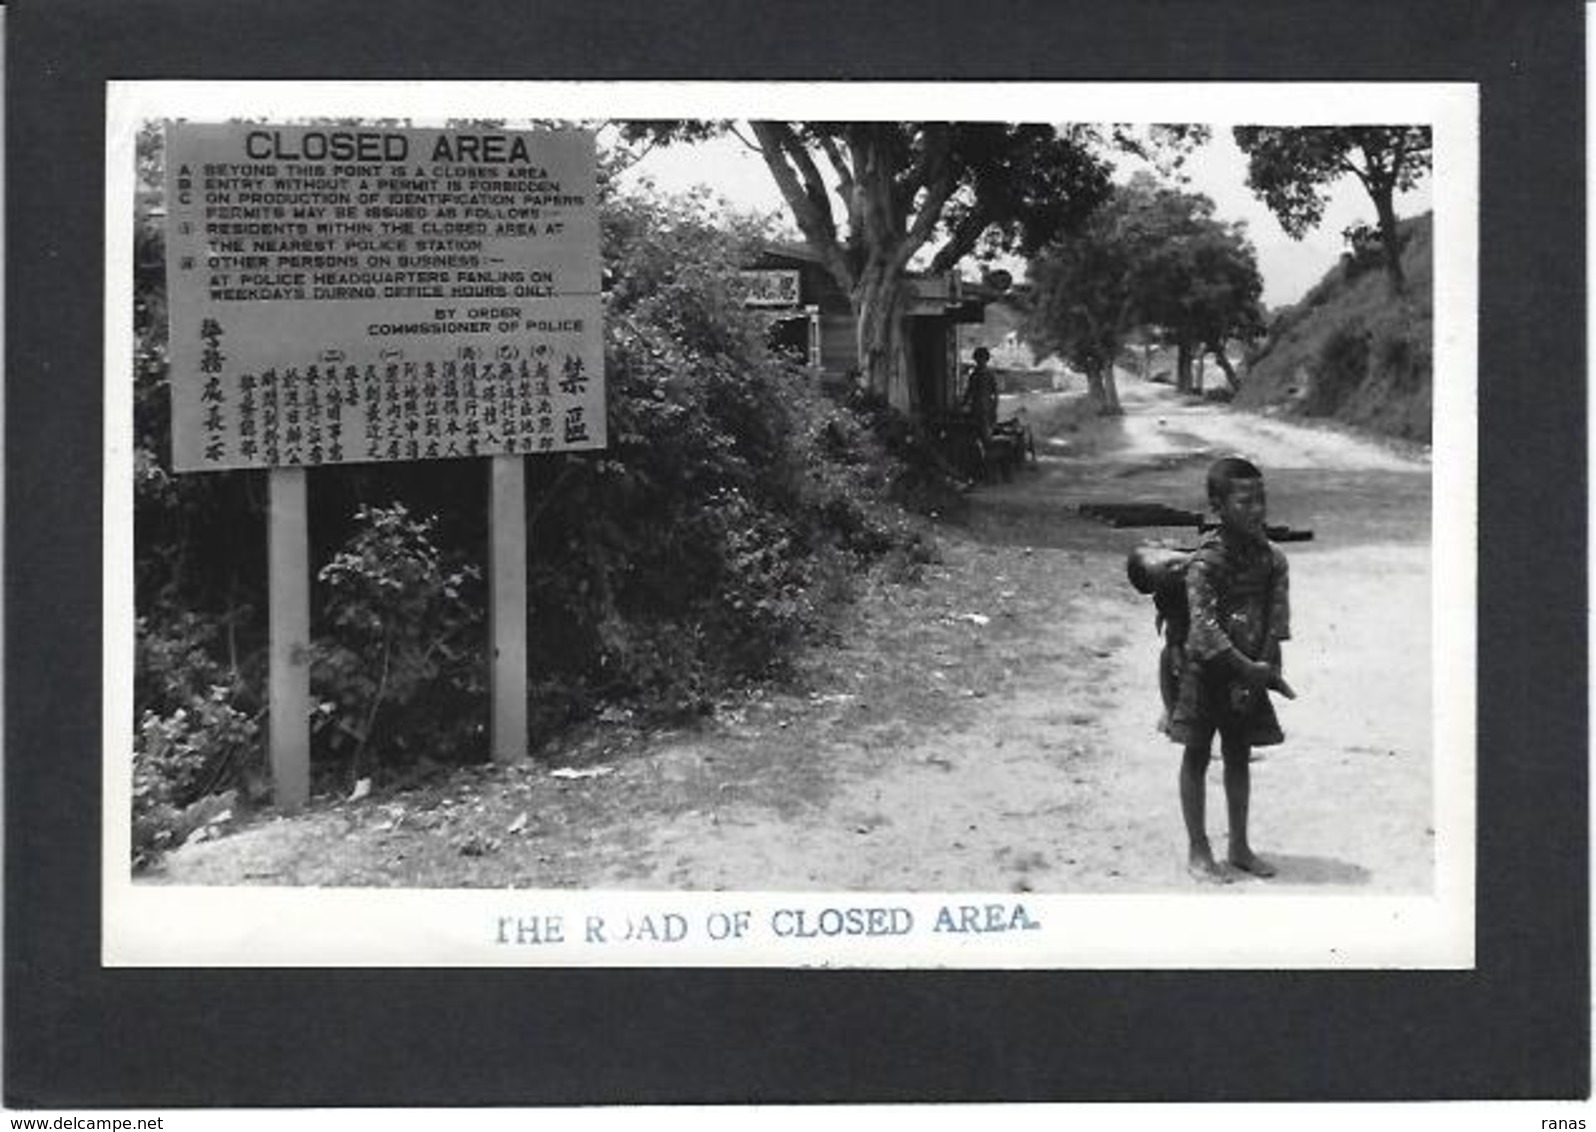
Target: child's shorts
{"points": [[1210, 701]]}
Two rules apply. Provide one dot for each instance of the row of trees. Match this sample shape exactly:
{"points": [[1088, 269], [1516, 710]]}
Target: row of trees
{"points": [[872, 197], [1151, 257], [1154, 259]]}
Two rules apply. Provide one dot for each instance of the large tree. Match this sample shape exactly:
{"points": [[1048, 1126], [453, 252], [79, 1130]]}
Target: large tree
{"points": [[1290, 168], [1084, 304], [1153, 256], [870, 197], [1224, 303], [1199, 281]]}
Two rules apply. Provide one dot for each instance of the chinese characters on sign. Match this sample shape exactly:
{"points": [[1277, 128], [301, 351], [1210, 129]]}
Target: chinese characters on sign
{"points": [[775, 287], [352, 295]]}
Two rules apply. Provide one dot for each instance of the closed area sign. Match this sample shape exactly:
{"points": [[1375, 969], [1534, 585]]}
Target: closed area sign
{"points": [[344, 295]]}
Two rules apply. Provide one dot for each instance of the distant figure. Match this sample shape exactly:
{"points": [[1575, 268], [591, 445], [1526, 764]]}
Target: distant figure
{"points": [[981, 394], [1237, 591]]}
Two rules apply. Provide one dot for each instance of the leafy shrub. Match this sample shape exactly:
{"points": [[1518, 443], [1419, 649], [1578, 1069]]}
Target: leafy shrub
{"points": [[917, 475], [1365, 250], [399, 666], [1314, 349], [1403, 354], [180, 758], [1341, 366], [198, 731]]}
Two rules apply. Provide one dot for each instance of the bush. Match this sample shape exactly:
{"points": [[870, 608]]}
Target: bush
{"points": [[1365, 250], [1404, 356], [400, 667], [198, 731], [1341, 366], [179, 759], [1351, 324], [916, 474]]}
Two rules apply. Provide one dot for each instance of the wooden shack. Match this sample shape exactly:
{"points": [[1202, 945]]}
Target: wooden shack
{"points": [[812, 318]]}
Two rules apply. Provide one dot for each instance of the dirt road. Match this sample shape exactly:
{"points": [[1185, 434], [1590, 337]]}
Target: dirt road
{"points": [[991, 728]]}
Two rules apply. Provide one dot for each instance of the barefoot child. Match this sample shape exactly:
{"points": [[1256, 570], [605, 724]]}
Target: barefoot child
{"points": [[1236, 587]]}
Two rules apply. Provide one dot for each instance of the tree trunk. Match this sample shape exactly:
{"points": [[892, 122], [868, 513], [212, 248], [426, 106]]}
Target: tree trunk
{"points": [[1202, 371], [1100, 384], [1229, 370], [1094, 387], [1391, 241], [1111, 405], [1147, 361], [1182, 368], [882, 341]]}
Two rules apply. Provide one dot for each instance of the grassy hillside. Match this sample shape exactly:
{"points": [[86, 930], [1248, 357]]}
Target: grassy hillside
{"points": [[1351, 351]]}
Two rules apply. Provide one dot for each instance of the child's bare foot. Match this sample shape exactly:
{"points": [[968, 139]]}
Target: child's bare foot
{"points": [[1249, 862], [1202, 866]]}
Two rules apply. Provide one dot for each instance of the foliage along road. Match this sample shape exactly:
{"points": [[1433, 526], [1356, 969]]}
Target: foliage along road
{"points": [[989, 728]]}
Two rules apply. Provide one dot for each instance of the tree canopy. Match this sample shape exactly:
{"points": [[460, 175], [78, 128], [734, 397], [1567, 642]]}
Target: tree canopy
{"points": [[870, 197], [1291, 169], [1201, 284], [1151, 256]]}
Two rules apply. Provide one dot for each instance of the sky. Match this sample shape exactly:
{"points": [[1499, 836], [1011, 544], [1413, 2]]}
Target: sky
{"points": [[1219, 170]]}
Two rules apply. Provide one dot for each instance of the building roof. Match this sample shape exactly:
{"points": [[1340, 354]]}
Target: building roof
{"points": [[786, 250]]}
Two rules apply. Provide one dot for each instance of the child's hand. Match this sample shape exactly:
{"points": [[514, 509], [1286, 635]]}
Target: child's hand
{"points": [[1257, 674], [1277, 682]]}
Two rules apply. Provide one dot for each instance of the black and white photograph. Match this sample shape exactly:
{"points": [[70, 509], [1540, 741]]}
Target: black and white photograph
{"points": [[760, 536], [693, 561]]}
